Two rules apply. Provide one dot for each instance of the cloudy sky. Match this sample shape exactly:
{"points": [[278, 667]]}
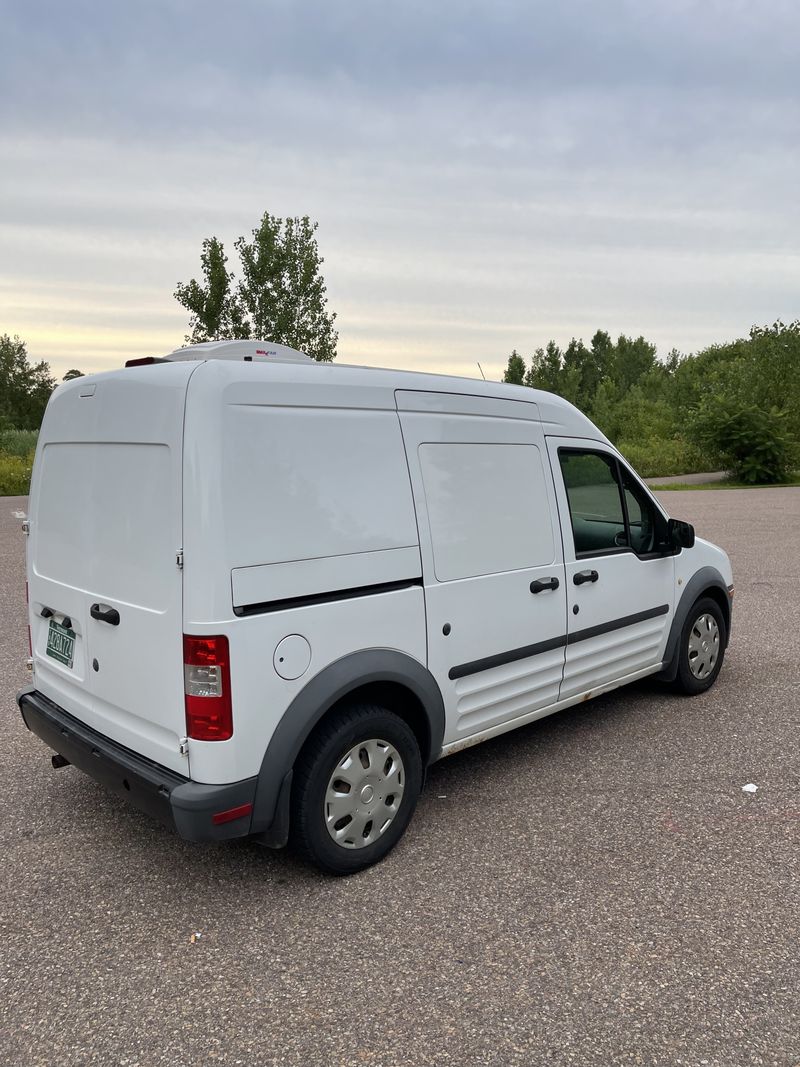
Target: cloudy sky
{"points": [[485, 175]]}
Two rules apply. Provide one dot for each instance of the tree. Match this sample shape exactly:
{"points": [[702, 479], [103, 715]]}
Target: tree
{"points": [[545, 369], [751, 443], [515, 371], [602, 353], [25, 388], [212, 307], [280, 295], [586, 368], [632, 360], [762, 370]]}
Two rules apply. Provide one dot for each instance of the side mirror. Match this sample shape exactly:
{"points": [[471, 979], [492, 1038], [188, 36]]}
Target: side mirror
{"points": [[681, 534]]}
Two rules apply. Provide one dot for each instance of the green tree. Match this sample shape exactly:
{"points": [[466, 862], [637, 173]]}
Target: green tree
{"points": [[588, 367], [25, 388], [515, 371], [762, 370], [751, 443], [673, 361], [545, 371], [631, 361], [214, 313], [604, 410], [735, 404], [602, 354], [769, 371], [280, 295]]}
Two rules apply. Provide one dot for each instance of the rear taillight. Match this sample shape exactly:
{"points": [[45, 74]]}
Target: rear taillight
{"points": [[207, 685]]}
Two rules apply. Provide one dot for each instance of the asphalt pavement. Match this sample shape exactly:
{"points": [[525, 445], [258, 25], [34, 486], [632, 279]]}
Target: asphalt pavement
{"points": [[593, 889]]}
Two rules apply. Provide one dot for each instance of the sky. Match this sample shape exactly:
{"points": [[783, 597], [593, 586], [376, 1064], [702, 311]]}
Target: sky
{"points": [[485, 176]]}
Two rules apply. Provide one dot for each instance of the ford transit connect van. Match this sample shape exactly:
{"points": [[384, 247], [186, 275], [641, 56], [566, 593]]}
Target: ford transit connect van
{"points": [[265, 594]]}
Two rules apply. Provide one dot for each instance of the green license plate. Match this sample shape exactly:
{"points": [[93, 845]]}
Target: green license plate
{"points": [[60, 643]]}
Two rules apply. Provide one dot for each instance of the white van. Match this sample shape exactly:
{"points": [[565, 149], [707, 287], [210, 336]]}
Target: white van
{"points": [[267, 593]]}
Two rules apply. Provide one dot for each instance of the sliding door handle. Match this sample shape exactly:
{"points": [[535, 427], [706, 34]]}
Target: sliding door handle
{"points": [[544, 583], [585, 576]]}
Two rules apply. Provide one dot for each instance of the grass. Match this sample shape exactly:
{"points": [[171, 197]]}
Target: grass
{"points": [[15, 474], [18, 443], [729, 483]]}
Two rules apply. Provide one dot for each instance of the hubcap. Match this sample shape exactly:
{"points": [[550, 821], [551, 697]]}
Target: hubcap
{"points": [[364, 793], [703, 646]]}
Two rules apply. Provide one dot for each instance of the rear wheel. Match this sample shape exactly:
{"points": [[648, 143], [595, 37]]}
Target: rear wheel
{"points": [[702, 647], [355, 789]]}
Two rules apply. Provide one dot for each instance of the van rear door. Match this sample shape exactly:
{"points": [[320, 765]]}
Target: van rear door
{"points": [[104, 582]]}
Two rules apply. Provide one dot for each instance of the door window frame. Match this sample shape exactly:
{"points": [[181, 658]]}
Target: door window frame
{"points": [[617, 467]]}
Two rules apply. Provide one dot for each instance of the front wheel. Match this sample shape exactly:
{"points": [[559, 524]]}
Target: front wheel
{"points": [[355, 789], [702, 647]]}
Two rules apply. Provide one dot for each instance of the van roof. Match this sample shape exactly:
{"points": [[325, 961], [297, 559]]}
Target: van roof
{"points": [[255, 361]]}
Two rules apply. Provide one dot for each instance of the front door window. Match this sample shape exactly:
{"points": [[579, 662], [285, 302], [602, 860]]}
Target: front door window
{"points": [[595, 502], [609, 510]]}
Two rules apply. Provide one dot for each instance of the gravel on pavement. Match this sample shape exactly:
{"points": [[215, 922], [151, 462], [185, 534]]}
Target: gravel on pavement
{"points": [[592, 889]]}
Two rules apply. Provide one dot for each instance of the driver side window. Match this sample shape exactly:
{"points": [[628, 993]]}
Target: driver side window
{"points": [[609, 510], [595, 502]]}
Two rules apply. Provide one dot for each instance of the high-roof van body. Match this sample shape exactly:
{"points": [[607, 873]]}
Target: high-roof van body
{"points": [[266, 593]]}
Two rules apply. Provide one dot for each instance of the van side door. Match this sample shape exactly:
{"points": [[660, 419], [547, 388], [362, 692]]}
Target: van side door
{"points": [[620, 576], [492, 559]]}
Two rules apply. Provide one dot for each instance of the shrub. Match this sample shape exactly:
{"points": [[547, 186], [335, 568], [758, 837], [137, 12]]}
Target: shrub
{"points": [[15, 474], [751, 443], [18, 442], [658, 457]]}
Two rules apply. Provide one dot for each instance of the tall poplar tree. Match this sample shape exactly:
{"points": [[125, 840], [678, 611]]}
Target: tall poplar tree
{"points": [[279, 295]]}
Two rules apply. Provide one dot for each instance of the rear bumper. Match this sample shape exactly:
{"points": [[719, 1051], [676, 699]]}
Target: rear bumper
{"points": [[186, 806]]}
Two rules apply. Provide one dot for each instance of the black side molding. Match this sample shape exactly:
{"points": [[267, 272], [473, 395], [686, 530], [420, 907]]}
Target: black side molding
{"points": [[325, 598], [616, 624], [477, 665]]}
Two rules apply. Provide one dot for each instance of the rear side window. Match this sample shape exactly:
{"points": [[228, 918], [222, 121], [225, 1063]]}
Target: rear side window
{"points": [[487, 507]]}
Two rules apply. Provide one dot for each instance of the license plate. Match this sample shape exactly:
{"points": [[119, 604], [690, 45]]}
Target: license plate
{"points": [[60, 643]]}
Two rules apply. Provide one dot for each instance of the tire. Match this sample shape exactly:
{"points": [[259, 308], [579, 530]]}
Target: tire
{"points": [[701, 648], [356, 786]]}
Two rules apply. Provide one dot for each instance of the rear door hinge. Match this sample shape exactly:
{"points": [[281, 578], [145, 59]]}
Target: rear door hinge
{"points": [[179, 559], [26, 526], [183, 746]]}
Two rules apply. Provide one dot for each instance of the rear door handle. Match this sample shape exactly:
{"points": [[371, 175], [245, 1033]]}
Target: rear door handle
{"points": [[103, 613], [585, 576], [544, 583]]}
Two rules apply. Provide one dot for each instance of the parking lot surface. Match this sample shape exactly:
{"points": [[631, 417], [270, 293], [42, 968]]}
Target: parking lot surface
{"points": [[593, 889]]}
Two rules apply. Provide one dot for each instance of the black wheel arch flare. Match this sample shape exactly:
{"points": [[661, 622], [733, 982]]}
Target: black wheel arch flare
{"points": [[357, 671], [707, 581]]}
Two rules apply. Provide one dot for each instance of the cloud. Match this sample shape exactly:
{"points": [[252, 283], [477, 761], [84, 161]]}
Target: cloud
{"points": [[485, 175]]}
